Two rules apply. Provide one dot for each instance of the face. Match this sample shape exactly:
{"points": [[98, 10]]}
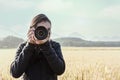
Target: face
{"points": [[46, 24]]}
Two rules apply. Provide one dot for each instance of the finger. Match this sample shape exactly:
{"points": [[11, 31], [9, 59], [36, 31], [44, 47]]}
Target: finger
{"points": [[33, 37], [31, 29], [30, 33], [31, 40]]}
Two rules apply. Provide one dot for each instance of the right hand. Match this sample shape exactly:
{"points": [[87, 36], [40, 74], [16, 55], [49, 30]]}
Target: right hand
{"points": [[30, 36]]}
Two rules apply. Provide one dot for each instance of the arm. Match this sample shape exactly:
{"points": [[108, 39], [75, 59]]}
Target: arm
{"points": [[54, 57], [22, 58]]}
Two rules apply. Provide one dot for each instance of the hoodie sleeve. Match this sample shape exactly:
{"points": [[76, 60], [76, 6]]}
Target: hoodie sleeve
{"points": [[54, 57], [23, 55]]}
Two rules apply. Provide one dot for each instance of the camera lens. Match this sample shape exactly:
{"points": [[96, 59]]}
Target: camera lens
{"points": [[41, 32]]}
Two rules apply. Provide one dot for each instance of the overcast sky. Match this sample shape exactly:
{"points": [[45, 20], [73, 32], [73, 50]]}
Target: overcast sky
{"points": [[88, 19]]}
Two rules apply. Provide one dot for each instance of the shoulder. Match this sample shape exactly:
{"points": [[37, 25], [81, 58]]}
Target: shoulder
{"points": [[21, 45], [55, 44]]}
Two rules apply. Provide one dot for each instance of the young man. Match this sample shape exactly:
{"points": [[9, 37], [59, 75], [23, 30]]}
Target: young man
{"points": [[38, 59]]}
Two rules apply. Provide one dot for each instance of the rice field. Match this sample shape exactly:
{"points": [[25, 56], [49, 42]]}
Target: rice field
{"points": [[88, 63]]}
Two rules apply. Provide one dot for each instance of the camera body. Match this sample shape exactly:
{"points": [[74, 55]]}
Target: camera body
{"points": [[41, 33]]}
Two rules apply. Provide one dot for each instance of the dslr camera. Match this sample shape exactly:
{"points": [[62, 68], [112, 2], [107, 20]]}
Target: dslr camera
{"points": [[41, 33]]}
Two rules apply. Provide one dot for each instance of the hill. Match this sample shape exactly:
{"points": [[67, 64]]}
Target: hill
{"points": [[78, 42], [13, 42], [10, 42]]}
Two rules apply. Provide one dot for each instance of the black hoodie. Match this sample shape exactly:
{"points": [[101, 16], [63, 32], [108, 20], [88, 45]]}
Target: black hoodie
{"points": [[38, 62]]}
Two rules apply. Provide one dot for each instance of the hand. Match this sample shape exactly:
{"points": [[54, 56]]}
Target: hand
{"points": [[30, 36]]}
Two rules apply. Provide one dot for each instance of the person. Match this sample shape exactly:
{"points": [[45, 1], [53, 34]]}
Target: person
{"points": [[38, 59]]}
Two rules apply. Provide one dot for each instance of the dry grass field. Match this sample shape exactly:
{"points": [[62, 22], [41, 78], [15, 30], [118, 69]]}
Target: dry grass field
{"points": [[81, 63]]}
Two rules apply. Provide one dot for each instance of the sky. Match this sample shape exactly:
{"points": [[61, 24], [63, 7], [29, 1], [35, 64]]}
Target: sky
{"points": [[96, 20]]}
